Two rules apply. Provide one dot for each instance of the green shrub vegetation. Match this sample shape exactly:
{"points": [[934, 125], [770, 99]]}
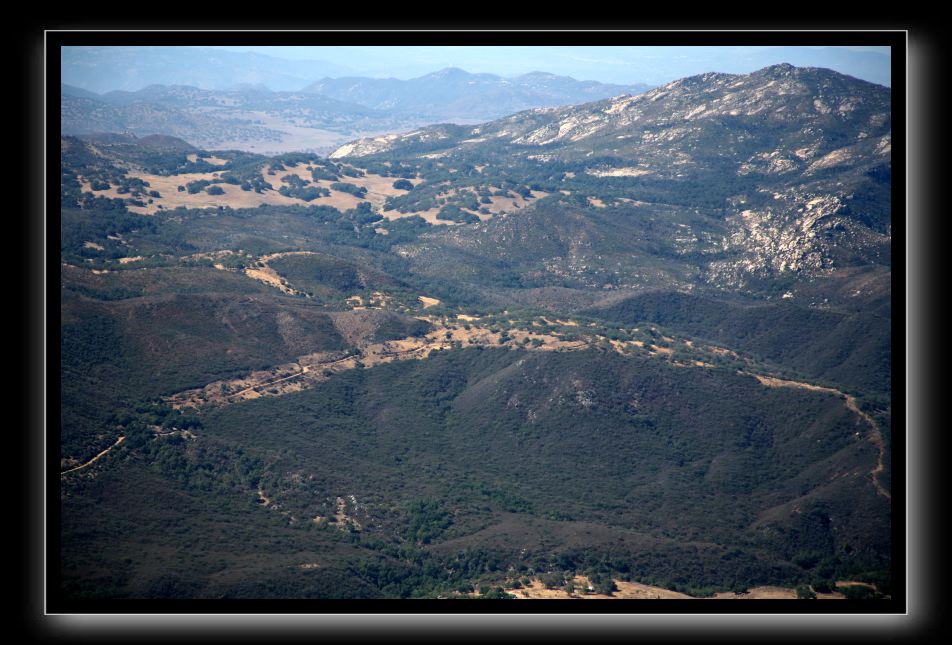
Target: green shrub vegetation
{"points": [[486, 465]]}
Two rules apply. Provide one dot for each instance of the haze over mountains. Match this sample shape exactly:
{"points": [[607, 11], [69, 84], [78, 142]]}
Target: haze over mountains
{"points": [[320, 114], [102, 69], [641, 338], [453, 94], [105, 69], [261, 102], [250, 119]]}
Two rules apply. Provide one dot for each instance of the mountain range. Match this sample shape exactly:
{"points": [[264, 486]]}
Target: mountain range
{"points": [[251, 116], [786, 170], [453, 94]]}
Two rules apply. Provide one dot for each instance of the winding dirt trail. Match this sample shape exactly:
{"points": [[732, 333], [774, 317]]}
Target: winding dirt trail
{"points": [[875, 436], [94, 459]]}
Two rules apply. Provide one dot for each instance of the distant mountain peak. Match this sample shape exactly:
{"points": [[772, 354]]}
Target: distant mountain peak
{"points": [[778, 68], [447, 72]]}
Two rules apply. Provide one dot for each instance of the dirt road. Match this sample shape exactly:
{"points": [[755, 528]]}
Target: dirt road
{"points": [[94, 459], [875, 436]]}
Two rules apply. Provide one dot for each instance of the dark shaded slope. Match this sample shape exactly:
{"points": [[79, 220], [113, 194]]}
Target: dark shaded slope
{"points": [[675, 463], [123, 344], [852, 349]]}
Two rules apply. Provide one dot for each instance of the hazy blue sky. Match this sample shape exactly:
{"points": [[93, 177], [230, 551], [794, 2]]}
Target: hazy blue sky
{"points": [[102, 69], [608, 64]]}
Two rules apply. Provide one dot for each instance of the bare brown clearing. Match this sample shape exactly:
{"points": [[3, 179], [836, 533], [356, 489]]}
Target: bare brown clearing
{"points": [[536, 590], [171, 197], [215, 161], [311, 369]]}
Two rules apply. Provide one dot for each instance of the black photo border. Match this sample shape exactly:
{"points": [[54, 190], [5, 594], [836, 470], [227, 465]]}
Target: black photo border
{"points": [[133, 614]]}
